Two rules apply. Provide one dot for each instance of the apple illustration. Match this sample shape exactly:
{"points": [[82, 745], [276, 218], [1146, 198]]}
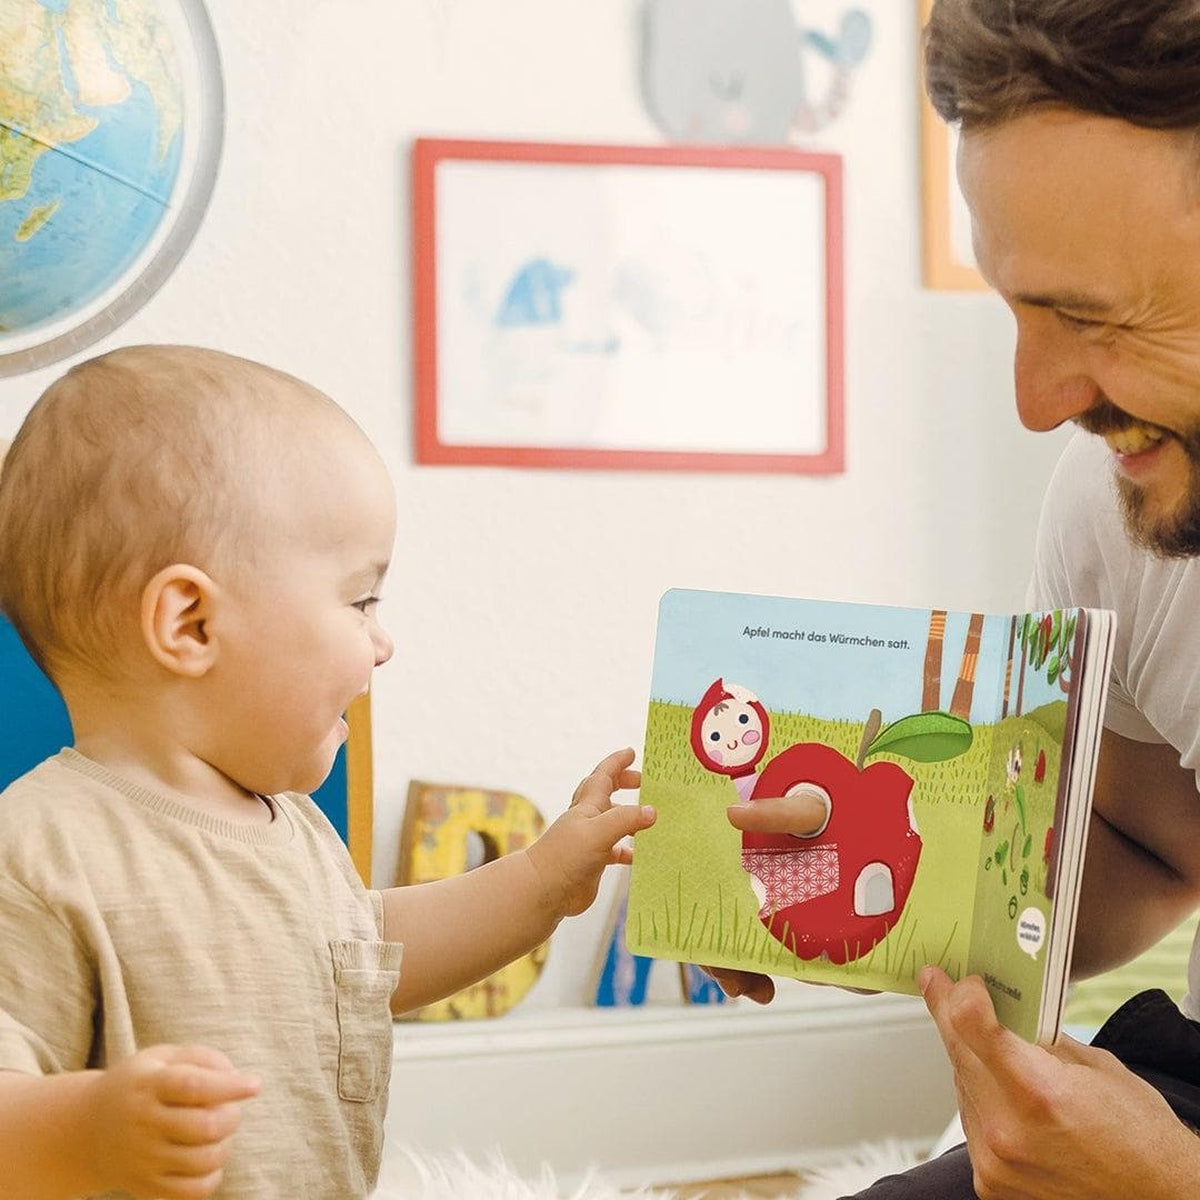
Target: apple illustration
{"points": [[838, 891]]}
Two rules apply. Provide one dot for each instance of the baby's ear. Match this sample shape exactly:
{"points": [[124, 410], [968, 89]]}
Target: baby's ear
{"points": [[176, 607]]}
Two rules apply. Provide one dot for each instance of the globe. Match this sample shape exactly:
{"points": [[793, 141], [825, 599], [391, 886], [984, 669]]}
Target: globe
{"points": [[110, 132]]}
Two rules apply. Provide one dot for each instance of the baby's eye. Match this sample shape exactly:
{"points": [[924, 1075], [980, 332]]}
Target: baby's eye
{"points": [[365, 606], [744, 718]]}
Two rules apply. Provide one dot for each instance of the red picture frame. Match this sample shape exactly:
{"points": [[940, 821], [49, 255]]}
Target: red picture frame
{"points": [[627, 307]]}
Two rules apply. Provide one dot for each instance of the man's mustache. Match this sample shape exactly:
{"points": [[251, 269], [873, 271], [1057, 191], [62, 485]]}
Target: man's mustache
{"points": [[1105, 417]]}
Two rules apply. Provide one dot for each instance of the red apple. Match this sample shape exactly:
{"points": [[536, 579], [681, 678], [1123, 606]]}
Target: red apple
{"points": [[840, 891]]}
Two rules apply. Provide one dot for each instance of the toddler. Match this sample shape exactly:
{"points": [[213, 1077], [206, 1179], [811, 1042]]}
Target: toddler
{"points": [[196, 991]]}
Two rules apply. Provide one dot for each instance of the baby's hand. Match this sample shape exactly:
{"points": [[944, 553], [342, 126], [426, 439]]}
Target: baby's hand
{"points": [[163, 1119], [571, 855]]}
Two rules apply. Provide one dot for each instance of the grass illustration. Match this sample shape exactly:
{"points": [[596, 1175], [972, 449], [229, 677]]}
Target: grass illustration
{"points": [[691, 899]]}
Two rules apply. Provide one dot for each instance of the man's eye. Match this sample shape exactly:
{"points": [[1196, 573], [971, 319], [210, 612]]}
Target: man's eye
{"points": [[1077, 323]]}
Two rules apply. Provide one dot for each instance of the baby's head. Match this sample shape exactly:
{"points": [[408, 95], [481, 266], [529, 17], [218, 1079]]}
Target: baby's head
{"points": [[157, 455]]}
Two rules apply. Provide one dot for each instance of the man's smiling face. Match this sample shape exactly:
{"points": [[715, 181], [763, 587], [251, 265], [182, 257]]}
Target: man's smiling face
{"points": [[1089, 228]]}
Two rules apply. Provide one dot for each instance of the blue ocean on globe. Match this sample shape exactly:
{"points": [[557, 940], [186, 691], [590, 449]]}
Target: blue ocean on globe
{"points": [[93, 202]]}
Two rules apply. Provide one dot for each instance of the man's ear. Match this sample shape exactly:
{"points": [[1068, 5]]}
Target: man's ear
{"points": [[177, 605]]}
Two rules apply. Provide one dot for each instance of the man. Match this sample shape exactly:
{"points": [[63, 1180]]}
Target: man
{"points": [[1080, 162]]}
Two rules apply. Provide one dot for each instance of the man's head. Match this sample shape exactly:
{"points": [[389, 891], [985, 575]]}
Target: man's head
{"points": [[988, 61], [1079, 162]]}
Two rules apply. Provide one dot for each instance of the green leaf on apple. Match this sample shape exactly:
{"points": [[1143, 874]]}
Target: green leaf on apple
{"points": [[924, 737]]}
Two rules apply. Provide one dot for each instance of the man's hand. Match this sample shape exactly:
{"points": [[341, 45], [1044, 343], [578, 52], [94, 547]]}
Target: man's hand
{"points": [[759, 988], [571, 855], [160, 1122], [802, 815], [1061, 1122]]}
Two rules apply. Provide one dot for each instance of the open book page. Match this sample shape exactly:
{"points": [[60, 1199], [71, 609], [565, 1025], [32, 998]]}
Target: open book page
{"points": [[1034, 816], [903, 722]]}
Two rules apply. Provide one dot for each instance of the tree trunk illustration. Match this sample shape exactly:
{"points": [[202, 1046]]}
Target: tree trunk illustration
{"points": [[1024, 652], [1008, 666], [931, 692], [964, 688]]}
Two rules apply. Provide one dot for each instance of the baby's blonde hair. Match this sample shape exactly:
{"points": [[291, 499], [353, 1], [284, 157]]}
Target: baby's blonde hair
{"points": [[132, 461]]}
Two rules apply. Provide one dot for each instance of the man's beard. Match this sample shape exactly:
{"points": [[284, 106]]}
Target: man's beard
{"points": [[1175, 534]]}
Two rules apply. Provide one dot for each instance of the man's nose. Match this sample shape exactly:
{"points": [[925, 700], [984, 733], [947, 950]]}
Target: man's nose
{"points": [[1051, 374]]}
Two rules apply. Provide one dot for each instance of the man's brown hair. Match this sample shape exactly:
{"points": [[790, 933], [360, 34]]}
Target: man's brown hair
{"points": [[988, 61]]}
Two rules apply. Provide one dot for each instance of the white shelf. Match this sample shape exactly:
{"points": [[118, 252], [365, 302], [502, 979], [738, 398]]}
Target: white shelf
{"points": [[664, 1093]]}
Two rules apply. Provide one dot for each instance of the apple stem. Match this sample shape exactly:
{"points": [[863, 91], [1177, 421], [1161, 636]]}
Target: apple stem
{"points": [[870, 729]]}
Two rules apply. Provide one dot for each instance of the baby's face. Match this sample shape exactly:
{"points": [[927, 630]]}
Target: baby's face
{"points": [[301, 631], [731, 733]]}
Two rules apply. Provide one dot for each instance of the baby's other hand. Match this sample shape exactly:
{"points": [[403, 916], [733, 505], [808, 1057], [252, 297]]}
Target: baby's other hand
{"points": [[571, 855], [163, 1119]]}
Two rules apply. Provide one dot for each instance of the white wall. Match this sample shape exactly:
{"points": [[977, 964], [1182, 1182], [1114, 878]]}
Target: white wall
{"points": [[522, 602]]}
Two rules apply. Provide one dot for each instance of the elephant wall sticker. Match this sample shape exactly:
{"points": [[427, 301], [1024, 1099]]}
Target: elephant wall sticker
{"points": [[746, 71]]}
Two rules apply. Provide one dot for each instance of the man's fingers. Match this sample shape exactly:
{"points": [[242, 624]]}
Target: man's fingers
{"points": [[802, 815], [759, 988], [973, 1036]]}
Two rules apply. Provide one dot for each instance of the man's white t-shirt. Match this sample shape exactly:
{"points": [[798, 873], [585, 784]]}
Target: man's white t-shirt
{"points": [[1084, 557]]}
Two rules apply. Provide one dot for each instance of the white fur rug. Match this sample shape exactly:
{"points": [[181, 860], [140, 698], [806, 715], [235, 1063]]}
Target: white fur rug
{"points": [[410, 1175]]}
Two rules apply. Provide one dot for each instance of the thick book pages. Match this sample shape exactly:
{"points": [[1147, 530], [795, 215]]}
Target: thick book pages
{"points": [[949, 757]]}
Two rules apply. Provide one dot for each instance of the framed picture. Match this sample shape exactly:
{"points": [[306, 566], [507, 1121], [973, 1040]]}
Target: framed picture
{"points": [[36, 725], [948, 260], [652, 307]]}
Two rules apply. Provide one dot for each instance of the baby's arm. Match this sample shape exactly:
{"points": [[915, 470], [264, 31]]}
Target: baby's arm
{"points": [[456, 931], [156, 1125]]}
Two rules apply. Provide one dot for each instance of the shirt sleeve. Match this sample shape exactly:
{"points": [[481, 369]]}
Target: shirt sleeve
{"points": [[47, 994]]}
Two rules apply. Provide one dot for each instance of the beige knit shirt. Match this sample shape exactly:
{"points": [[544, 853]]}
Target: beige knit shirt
{"points": [[128, 919]]}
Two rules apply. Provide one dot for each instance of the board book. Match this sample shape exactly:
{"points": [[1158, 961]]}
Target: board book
{"points": [[952, 753]]}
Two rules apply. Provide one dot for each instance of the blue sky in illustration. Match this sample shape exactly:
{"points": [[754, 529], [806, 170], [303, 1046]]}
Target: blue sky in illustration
{"points": [[702, 636]]}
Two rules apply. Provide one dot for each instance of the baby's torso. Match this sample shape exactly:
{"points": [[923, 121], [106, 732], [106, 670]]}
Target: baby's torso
{"points": [[125, 924]]}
